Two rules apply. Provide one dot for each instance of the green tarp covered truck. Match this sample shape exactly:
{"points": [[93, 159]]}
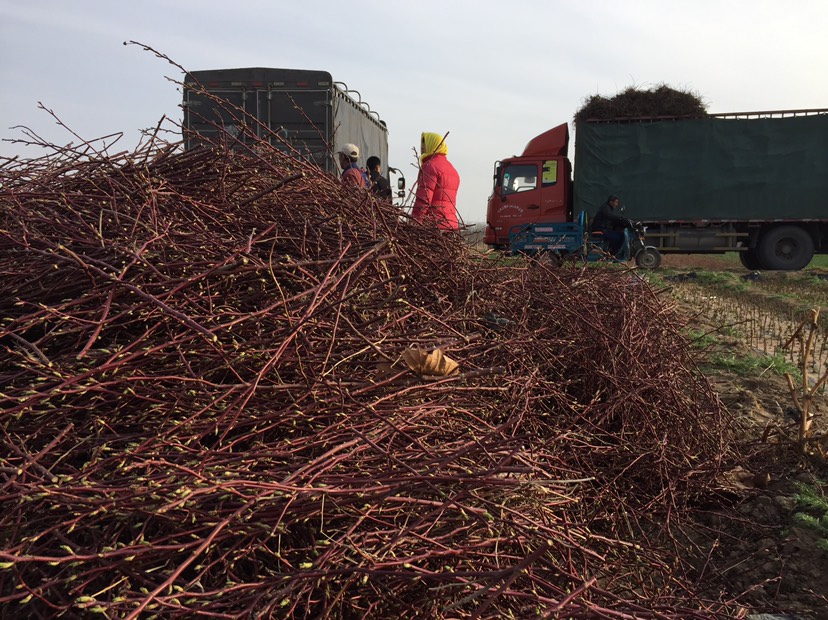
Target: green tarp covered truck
{"points": [[752, 183]]}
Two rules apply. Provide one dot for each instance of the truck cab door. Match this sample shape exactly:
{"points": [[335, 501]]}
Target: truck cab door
{"points": [[527, 191]]}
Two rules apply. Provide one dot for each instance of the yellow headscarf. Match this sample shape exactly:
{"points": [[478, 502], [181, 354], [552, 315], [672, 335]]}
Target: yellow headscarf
{"points": [[431, 144]]}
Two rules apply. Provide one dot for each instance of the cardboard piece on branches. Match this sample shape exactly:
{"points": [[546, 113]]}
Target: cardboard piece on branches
{"points": [[433, 364]]}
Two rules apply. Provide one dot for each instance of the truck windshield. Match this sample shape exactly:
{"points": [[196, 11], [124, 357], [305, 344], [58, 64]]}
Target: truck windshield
{"points": [[519, 178]]}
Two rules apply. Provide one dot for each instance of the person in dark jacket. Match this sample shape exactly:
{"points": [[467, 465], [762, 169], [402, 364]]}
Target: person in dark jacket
{"points": [[610, 223], [437, 184], [379, 184]]}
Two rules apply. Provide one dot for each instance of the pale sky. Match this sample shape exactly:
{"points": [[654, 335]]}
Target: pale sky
{"points": [[492, 74]]}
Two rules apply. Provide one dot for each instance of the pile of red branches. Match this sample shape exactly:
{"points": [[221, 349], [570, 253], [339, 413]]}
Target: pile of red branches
{"points": [[205, 409]]}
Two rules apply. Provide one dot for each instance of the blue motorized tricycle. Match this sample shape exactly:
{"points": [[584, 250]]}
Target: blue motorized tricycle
{"points": [[573, 240]]}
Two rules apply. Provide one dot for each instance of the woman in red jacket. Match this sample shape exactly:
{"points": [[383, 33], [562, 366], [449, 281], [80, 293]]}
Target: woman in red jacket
{"points": [[437, 183]]}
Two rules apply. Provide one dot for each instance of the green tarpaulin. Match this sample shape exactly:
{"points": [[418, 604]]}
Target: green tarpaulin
{"points": [[706, 169]]}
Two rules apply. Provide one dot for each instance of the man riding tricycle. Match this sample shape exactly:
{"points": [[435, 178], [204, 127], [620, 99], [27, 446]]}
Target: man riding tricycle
{"points": [[611, 236]]}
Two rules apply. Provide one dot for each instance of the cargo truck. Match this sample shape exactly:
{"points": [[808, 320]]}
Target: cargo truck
{"points": [[754, 183], [303, 112]]}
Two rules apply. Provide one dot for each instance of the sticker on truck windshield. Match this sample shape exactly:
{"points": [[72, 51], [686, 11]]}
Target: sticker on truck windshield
{"points": [[550, 172]]}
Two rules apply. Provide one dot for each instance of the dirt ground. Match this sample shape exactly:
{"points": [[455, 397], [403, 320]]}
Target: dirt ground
{"points": [[750, 536]]}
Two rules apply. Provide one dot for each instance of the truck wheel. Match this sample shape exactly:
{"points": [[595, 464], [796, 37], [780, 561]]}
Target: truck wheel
{"points": [[648, 258], [785, 248], [750, 260]]}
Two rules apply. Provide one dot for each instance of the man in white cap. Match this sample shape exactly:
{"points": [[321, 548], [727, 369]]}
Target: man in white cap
{"points": [[351, 173]]}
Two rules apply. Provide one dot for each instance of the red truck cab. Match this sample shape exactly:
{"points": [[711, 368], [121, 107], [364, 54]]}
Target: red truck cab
{"points": [[534, 187]]}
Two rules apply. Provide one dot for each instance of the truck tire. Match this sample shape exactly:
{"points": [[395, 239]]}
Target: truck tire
{"points": [[785, 248], [749, 260]]}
